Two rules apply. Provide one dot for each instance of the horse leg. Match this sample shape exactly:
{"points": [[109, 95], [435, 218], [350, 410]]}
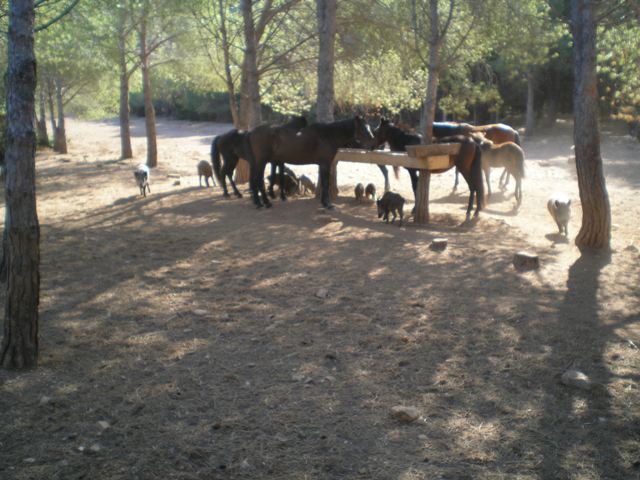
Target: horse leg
{"points": [[283, 197], [259, 184], [487, 174], [504, 179], [385, 173], [325, 171], [455, 183], [272, 179], [518, 192]]}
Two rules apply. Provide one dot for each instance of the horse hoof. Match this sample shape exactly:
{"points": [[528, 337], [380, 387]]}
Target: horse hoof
{"points": [[239, 195], [226, 195], [272, 195], [283, 199], [268, 205], [330, 206]]}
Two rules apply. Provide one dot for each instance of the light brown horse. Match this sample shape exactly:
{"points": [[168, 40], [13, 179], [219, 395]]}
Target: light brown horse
{"points": [[497, 133], [505, 155]]}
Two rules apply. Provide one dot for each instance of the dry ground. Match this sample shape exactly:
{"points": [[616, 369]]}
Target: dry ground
{"points": [[190, 324]]}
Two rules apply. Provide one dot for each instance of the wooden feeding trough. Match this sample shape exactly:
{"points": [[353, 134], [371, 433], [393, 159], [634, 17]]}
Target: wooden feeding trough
{"points": [[428, 159]]}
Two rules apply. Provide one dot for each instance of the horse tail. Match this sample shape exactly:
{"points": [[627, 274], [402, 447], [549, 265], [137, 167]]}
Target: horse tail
{"points": [[396, 171], [516, 138], [215, 160]]}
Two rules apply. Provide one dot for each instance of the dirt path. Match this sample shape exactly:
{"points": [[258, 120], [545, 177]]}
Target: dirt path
{"points": [[199, 330]]}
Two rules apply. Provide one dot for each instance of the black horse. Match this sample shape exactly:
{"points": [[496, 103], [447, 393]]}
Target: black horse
{"points": [[316, 144], [231, 146], [469, 163]]}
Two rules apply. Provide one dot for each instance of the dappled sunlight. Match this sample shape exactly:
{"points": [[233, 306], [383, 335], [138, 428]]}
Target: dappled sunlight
{"points": [[290, 334]]}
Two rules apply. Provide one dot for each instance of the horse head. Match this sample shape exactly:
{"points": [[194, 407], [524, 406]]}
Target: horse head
{"points": [[363, 134]]}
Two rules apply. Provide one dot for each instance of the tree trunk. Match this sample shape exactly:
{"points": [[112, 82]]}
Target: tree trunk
{"points": [[125, 124], [21, 246], [149, 111], [595, 231], [250, 94], [52, 110], [326, 14], [233, 106], [530, 122], [429, 111], [41, 121], [60, 134]]}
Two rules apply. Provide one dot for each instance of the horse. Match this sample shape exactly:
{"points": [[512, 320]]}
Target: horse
{"points": [[397, 139], [507, 155], [231, 146], [497, 133], [387, 132], [315, 144], [469, 162], [295, 124]]}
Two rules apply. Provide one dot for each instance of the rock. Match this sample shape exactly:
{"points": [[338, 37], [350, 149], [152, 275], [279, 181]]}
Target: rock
{"points": [[176, 183], [44, 400], [245, 464], [526, 261], [576, 379], [405, 414], [322, 293], [631, 248], [30, 460], [95, 448], [200, 312], [103, 424], [438, 244]]}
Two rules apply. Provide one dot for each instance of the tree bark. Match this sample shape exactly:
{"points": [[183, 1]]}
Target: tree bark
{"points": [[530, 122], [21, 246], [429, 110], [149, 111], [125, 124], [326, 11], [41, 120], [233, 106], [595, 231], [250, 88], [52, 110], [60, 134]]}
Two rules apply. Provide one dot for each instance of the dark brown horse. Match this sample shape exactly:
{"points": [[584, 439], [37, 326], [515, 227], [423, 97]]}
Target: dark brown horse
{"points": [[230, 146], [265, 137], [316, 144], [498, 133], [387, 132], [469, 163], [398, 139]]}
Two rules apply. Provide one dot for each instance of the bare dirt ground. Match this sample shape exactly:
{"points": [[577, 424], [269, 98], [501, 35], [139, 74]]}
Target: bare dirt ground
{"points": [[190, 326]]}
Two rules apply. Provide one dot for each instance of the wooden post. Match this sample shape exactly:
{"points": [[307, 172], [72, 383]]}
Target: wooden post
{"points": [[422, 201]]}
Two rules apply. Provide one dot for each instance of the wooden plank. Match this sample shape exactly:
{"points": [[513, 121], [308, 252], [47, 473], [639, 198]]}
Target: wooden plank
{"points": [[433, 149], [398, 159]]}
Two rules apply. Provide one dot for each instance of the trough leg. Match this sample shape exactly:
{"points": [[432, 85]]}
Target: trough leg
{"points": [[422, 198]]}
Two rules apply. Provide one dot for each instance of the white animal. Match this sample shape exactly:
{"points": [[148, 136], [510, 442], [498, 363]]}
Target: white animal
{"points": [[141, 174], [559, 206]]}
